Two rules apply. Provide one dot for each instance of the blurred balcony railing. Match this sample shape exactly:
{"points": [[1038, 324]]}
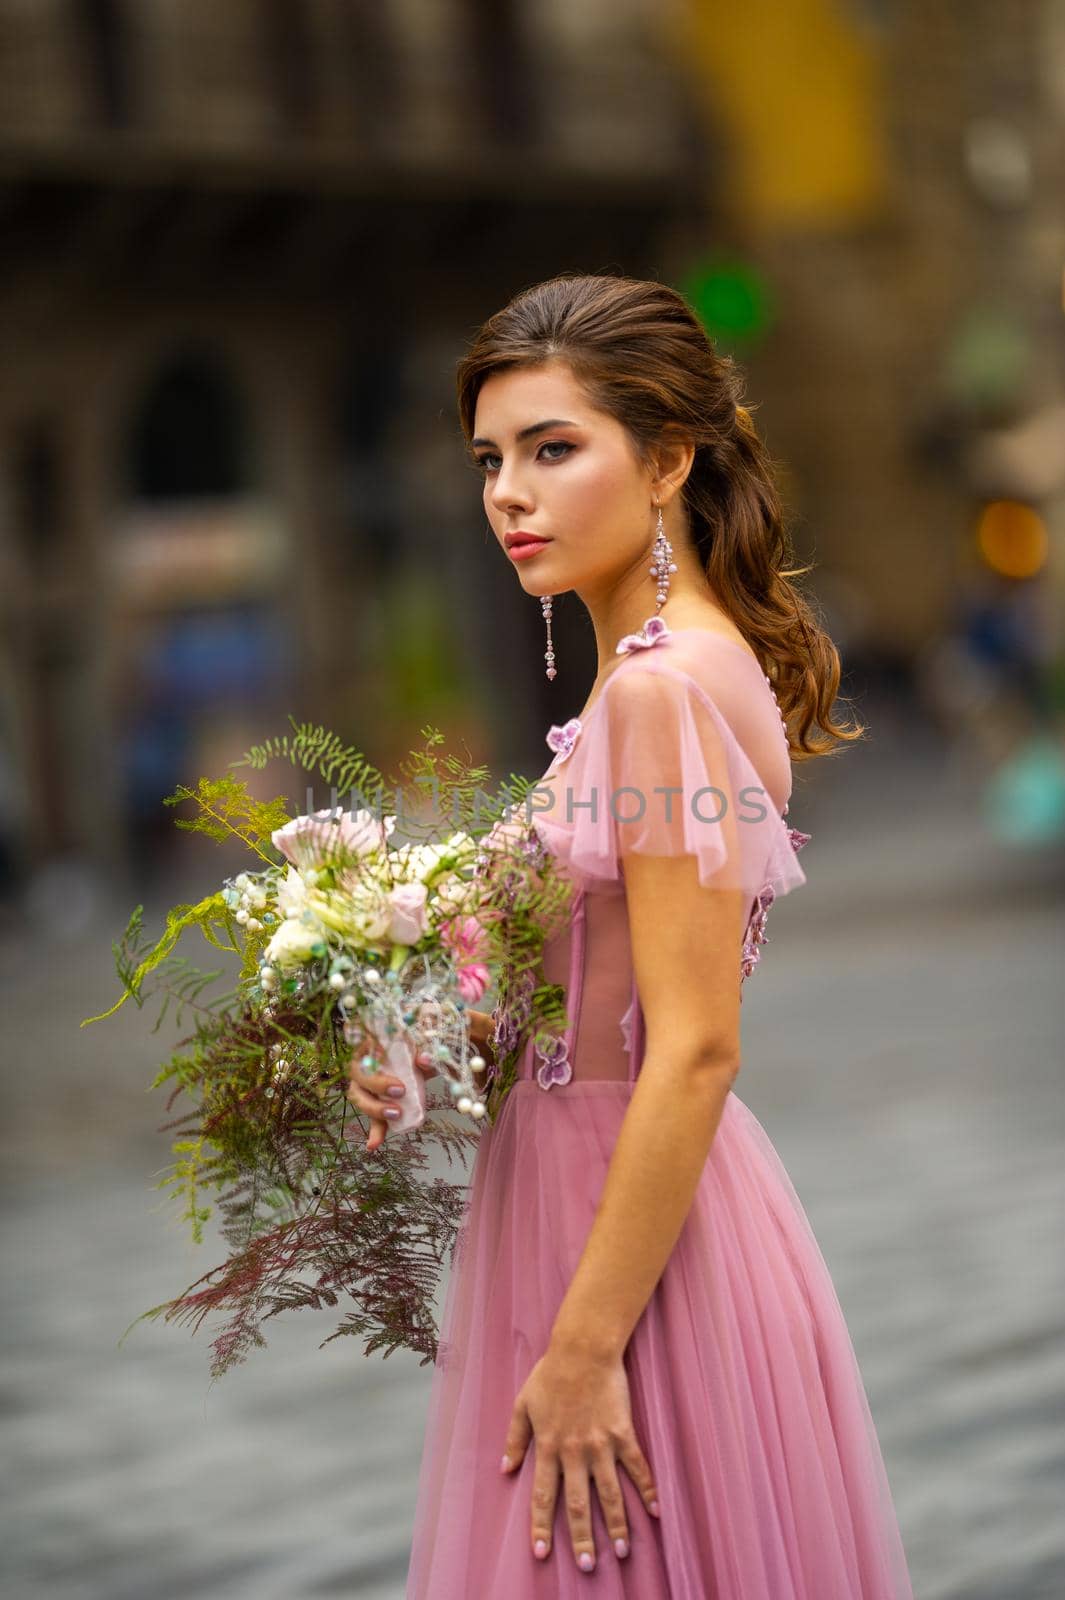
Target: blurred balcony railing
{"points": [[339, 86]]}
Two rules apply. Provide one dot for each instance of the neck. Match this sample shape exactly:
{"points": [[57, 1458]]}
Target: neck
{"points": [[626, 606]]}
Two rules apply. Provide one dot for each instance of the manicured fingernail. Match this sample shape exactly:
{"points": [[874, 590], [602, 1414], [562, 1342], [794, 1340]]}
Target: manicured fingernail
{"points": [[653, 1508], [504, 1465], [585, 1561], [540, 1548], [396, 1089], [390, 1111], [621, 1546]]}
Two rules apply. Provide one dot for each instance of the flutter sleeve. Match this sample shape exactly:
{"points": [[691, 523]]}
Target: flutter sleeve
{"points": [[657, 770]]}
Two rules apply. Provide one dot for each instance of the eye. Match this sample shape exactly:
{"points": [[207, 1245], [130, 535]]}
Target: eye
{"points": [[564, 445]]}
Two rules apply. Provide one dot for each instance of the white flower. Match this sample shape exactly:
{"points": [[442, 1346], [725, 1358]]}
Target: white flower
{"points": [[453, 896], [464, 847], [293, 944], [360, 915], [291, 893], [421, 863]]}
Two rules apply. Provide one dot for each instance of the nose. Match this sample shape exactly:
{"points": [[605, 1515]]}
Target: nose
{"points": [[508, 493]]}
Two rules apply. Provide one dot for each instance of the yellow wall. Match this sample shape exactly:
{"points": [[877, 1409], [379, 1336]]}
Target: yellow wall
{"points": [[795, 87]]}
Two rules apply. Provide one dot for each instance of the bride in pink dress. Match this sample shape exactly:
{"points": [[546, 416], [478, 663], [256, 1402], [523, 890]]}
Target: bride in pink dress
{"points": [[645, 1385]]}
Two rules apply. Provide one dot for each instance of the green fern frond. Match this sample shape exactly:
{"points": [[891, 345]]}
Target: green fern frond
{"points": [[229, 811], [212, 909], [315, 748]]}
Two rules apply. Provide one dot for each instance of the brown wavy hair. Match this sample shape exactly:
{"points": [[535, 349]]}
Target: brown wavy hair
{"points": [[643, 357]]}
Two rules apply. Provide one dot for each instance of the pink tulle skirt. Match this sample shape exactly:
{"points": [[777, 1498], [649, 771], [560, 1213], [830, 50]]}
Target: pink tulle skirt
{"points": [[746, 1394]]}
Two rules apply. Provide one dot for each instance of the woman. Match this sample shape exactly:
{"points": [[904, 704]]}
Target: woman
{"points": [[636, 1285]]}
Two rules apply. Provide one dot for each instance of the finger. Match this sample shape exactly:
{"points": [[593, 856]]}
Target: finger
{"points": [[424, 1063], [544, 1500], [518, 1435], [378, 1130], [372, 1105], [635, 1463], [371, 1089], [579, 1512], [609, 1491]]}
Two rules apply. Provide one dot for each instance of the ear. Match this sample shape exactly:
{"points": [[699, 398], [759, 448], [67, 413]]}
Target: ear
{"points": [[671, 463]]}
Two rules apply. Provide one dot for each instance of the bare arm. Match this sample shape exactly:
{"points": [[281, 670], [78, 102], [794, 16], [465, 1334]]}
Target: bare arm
{"points": [[686, 950]]}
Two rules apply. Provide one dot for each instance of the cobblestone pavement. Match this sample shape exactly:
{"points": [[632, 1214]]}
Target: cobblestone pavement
{"points": [[902, 1047]]}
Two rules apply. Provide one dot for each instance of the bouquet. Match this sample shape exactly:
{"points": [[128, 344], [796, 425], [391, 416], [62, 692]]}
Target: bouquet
{"points": [[347, 937]]}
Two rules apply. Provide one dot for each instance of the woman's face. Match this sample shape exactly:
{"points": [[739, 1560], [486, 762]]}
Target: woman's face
{"points": [[578, 483]]}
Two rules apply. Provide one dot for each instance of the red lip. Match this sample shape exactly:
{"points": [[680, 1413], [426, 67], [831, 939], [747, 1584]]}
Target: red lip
{"points": [[521, 537]]}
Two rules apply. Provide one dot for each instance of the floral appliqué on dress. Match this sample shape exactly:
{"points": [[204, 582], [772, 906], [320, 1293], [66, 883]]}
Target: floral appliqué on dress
{"points": [[562, 739], [555, 1066], [755, 933], [654, 630]]}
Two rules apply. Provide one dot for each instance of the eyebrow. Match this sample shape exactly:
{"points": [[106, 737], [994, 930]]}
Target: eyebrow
{"points": [[536, 427]]}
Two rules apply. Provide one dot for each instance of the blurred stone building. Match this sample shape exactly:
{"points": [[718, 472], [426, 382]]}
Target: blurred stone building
{"points": [[243, 246]]}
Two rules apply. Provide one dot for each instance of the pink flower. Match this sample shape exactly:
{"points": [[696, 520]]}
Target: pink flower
{"points": [[465, 937], [312, 841], [473, 981], [407, 904]]}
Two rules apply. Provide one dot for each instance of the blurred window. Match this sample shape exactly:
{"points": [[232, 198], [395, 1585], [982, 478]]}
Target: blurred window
{"points": [[189, 437], [102, 31], [36, 487], [289, 44], [503, 70], [372, 62]]}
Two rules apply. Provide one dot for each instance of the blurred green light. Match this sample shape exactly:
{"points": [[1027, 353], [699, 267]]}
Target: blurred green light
{"points": [[732, 300]]}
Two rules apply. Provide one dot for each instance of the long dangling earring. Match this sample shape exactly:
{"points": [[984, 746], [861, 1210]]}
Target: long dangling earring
{"points": [[663, 563], [549, 653]]}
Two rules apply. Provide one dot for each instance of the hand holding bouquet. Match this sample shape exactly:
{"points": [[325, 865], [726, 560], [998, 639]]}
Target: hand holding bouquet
{"points": [[375, 1093]]}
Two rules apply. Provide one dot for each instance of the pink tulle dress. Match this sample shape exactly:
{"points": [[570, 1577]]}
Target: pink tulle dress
{"points": [[746, 1394]]}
